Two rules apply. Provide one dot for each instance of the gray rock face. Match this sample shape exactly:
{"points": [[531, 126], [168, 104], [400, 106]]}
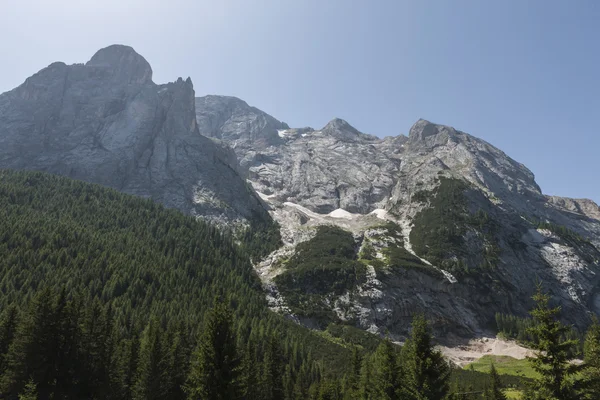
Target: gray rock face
{"points": [[308, 175], [123, 63], [232, 120], [577, 206], [106, 122], [336, 167]]}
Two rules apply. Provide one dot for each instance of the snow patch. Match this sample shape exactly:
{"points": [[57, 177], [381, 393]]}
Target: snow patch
{"points": [[265, 196], [285, 133], [379, 213], [341, 213]]}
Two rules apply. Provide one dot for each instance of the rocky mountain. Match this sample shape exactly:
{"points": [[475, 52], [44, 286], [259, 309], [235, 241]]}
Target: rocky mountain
{"points": [[374, 230], [439, 221], [107, 122]]}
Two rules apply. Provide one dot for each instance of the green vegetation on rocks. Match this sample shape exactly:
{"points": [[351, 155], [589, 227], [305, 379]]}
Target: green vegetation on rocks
{"points": [[395, 257], [440, 229], [325, 265]]}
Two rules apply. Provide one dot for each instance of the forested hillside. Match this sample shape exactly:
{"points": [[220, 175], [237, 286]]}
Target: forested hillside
{"points": [[107, 277]]}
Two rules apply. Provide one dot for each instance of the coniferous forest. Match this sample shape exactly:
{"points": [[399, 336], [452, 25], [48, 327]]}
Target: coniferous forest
{"points": [[108, 296]]}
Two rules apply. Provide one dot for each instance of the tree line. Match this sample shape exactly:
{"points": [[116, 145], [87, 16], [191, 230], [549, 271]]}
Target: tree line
{"points": [[64, 348]]}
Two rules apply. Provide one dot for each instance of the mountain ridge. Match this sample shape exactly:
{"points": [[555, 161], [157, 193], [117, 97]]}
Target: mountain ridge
{"points": [[506, 230]]}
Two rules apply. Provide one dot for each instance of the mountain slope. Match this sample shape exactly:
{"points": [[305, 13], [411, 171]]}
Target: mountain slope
{"points": [[106, 122], [444, 222], [136, 259]]}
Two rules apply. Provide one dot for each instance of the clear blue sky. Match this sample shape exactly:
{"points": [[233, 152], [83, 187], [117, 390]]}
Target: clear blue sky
{"points": [[523, 75]]}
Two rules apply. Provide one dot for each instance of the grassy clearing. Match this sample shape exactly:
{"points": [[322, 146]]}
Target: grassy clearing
{"points": [[505, 365]]}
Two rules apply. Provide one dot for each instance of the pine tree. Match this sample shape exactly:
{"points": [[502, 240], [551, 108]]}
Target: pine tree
{"points": [[353, 381], [386, 371], [8, 327], [130, 361], [65, 340], [29, 391], [591, 356], [119, 372], [249, 373], [149, 383], [214, 373], [271, 379], [32, 353], [426, 372], [176, 371], [301, 385], [44, 347], [329, 390], [494, 392], [288, 382], [558, 380], [367, 390]]}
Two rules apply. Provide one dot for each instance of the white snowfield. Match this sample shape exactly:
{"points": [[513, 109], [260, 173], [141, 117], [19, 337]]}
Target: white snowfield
{"points": [[380, 213], [341, 213]]}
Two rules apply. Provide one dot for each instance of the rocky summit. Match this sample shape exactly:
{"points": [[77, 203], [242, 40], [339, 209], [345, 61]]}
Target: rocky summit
{"points": [[440, 222], [107, 122]]}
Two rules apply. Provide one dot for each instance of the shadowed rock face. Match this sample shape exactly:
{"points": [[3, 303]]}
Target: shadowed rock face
{"points": [[234, 121], [306, 175], [123, 63], [106, 122]]}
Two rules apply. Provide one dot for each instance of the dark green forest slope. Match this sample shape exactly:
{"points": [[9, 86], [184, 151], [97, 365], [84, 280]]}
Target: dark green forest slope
{"points": [[93, 268]]}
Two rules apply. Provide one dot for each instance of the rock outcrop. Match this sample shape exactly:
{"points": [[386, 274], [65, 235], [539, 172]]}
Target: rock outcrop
{"points": [[106, 122]]}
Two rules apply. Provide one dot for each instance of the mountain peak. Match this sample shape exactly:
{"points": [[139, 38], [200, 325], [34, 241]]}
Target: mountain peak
{"points": [[340, 124], [427, 134], [423, 129], [341, 129], [127, 65]]}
